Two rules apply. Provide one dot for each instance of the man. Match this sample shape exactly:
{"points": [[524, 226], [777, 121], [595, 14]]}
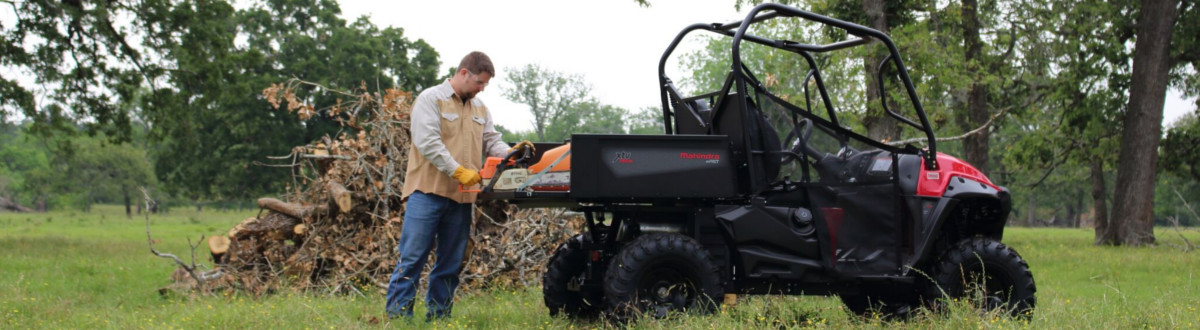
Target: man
{"points": [[451, 131]]}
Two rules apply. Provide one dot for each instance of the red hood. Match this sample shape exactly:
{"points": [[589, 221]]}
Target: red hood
{"points": [[933, 183]]}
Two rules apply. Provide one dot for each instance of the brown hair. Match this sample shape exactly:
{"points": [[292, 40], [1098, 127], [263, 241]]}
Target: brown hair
{"points": [[477, 62]]}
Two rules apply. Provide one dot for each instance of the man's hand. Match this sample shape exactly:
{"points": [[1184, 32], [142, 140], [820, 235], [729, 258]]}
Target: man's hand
{"points": [[522, 144], [467, 177]]}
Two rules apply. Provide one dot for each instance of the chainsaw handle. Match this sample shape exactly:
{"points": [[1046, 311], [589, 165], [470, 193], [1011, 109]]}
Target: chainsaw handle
{"points": [[460, 189]]}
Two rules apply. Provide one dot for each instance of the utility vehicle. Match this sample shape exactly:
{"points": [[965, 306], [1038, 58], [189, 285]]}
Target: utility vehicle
{"points": [[747, 192]]}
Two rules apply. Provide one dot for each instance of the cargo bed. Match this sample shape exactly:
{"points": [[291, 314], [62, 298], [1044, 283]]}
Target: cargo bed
{"points": [[638, 169]]}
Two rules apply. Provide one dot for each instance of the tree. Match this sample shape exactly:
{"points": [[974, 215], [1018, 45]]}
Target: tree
{"points": [[550, 95], [22, 163], [588, 117], [647, 120], [212, 126], [1133, 207], [105, 172], [1065, 138]]}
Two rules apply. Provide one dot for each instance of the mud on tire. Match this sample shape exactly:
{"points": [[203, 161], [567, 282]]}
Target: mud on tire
{"points": [[660, 273]]}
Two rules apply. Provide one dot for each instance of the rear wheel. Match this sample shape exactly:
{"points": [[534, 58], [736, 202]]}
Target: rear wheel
{"points": [[563, 289], [987, 274], [660, 273]]}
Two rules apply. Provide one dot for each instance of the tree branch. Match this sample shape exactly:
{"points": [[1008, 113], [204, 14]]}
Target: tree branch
{"points": [[955, 138], [200, 278], [1175, 221]]}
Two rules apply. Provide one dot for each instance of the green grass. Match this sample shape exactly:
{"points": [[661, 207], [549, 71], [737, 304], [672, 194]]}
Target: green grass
{"points": [[74, 270]]}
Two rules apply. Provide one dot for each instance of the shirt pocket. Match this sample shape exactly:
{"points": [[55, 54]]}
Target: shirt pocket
{"points": [[450, 125], [479, 120]]}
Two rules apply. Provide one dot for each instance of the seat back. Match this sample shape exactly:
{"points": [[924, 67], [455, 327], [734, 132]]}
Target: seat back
{"points": [[692, 117], [753, 140]]}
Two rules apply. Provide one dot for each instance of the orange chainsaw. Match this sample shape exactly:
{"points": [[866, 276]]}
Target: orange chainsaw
{"points": [[515, 173]]}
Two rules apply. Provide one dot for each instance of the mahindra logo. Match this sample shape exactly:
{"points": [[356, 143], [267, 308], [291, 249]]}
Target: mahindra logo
{"points": [[623, 157], [688, 155]]}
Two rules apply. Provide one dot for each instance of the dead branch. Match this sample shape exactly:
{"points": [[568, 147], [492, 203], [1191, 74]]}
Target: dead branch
{"points": [[977, 130], [1187, 245], [9, 205], [190, 268], [340, 195], [291, 209]]}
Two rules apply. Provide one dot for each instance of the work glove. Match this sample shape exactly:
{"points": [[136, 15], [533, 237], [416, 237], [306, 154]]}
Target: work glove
{"points": [[522, 144], [467, 177]]}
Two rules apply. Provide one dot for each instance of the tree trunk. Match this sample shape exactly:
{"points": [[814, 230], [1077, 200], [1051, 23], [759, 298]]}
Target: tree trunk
{"points": [[128, 204], [1079, 211], [879, 125], [1104, 234], [975, 147], [1133, 202], [1031, 208], [1072, 213]]}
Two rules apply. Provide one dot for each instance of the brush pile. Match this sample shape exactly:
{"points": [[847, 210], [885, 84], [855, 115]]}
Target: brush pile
{"points": [[336, 228]]}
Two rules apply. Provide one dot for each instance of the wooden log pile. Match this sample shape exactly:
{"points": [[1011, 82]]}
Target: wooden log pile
{"points": [[336, 228]]}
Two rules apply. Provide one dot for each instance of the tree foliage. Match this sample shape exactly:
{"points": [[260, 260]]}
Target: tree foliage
{"points": [[1181, 148], [191, 72], [35, 172], [552, 97]]}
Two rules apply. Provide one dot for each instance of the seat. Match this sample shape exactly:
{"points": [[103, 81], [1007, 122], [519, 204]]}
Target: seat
{"points": [[753, 137], [692, 117]]}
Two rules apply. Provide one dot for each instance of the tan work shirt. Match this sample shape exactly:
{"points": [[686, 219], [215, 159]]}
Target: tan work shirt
{"points": [[447, 133]]}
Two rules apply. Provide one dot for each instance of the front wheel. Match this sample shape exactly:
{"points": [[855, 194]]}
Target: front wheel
{"points": [[660, 273], [986, 273]]}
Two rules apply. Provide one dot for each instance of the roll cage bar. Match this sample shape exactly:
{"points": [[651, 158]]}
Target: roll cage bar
{"points": [[741, 78]]}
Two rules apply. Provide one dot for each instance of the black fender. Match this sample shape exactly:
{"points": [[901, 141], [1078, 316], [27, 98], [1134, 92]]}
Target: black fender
{"points": [[968, 208]]}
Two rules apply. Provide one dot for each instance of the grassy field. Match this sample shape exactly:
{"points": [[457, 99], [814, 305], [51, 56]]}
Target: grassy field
{"points": [[75, 270]]}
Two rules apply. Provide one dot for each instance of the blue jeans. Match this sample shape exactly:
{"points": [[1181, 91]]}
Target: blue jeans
{"points": [[429, 219]]}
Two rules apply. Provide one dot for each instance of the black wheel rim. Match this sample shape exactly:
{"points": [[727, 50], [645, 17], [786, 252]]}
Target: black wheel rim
{"points": [[666, 288]]}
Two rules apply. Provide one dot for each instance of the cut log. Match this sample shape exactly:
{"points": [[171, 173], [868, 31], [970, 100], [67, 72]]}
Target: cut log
{"points": [[237, 230], [218, 245], [340, 195], [291, 209], [274, 226], [300, 230]]}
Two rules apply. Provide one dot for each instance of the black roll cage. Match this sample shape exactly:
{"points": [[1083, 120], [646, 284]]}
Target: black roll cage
{"points": [[740, 78]]}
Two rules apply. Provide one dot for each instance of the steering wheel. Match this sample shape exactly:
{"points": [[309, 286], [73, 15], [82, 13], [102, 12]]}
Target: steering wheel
{"points": [[797, 142]]}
